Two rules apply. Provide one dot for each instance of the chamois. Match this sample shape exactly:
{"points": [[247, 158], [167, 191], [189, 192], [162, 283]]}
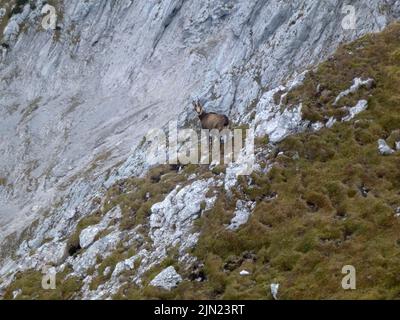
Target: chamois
{"points": [[210, 120]]}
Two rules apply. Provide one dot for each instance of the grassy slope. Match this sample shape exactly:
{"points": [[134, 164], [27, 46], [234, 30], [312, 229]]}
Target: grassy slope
{"points": [[321, 221], [322, 218]]}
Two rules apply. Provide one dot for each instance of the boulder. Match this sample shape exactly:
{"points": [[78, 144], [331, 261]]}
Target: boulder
{"points": [[167, 279], [383, 148], [88, 235], [274, 290]]}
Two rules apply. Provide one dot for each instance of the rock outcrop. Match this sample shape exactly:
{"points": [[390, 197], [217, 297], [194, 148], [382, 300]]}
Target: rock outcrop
{"points": [[167, 279]]}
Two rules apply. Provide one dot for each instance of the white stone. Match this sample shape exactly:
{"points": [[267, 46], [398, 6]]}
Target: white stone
{"points": [[107, 271], [398, 145], [357, 84], [244, 273], [330, 122], [317, 126], [2, 12], [12, 29], [274, 290], [127, 264], [16, 293], [383, 148], [167, 279]]}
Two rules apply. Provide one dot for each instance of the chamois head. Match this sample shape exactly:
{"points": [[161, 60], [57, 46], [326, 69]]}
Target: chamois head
{"points": [[198, 107]]}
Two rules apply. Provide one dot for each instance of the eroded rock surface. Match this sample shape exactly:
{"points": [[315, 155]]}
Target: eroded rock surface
{"points": [[167, 279]]}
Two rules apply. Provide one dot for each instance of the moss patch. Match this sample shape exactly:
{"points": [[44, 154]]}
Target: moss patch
{"points": [[3, 182]]}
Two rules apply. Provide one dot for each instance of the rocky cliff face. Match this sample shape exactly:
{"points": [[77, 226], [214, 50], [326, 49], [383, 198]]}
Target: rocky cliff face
{"points": [[76, 102]]}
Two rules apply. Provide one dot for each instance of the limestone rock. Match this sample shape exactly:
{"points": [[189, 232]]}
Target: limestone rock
{"points": [[317, 126], [274, 290], [171, 220], [3, 12], [357, 84], [88, 235], [167, 279], [361, 106], [383, 148], [330, 122], [242, 214], [16, 293], [272, 121], [101, 248]]}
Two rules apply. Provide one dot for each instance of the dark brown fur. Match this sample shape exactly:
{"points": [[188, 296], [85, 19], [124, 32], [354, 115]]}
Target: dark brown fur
{"points": [[211, 120]]}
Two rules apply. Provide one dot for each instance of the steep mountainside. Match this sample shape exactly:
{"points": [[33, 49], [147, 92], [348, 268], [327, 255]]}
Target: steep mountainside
{"points": [[76, 102]]}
